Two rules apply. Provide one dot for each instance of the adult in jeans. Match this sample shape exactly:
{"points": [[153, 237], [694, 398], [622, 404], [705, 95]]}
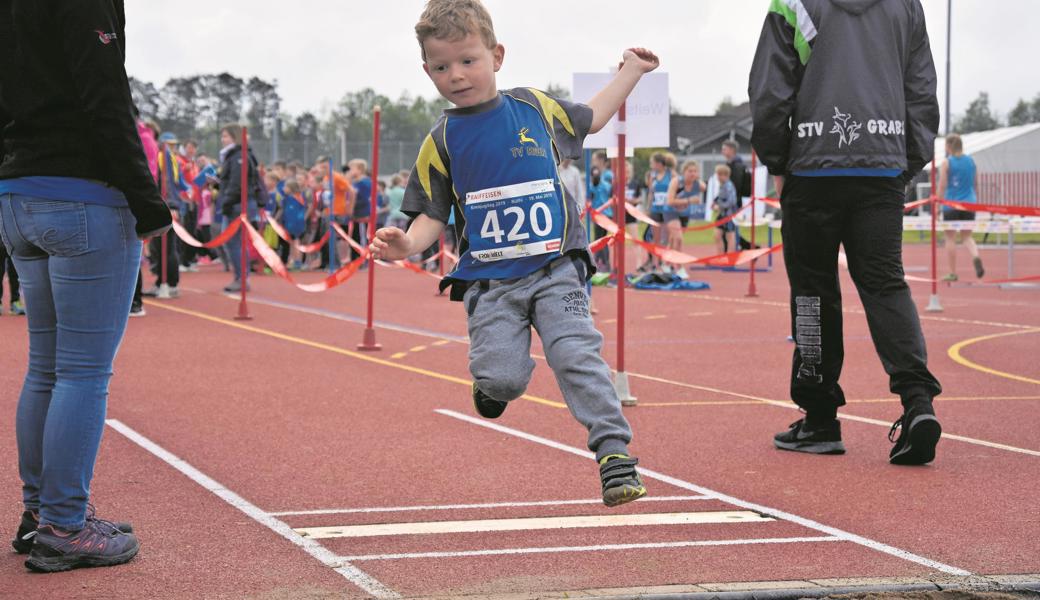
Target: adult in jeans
{"points": [[844, 108], [76, 197], [229, 199]]}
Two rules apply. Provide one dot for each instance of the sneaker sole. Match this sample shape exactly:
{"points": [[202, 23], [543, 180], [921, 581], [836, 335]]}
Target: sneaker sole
{"points": [[623, 494], [924, 435], [65, 563], [833, 448], [979, 270]]}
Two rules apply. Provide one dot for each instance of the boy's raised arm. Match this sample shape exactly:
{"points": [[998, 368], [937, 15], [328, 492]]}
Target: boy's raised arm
{"points": [[636, 62]]}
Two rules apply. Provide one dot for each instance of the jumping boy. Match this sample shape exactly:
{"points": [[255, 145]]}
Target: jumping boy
{"points": [[524, 260]]}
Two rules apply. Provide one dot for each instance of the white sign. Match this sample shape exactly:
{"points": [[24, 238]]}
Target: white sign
{"points": [[646, 112]]}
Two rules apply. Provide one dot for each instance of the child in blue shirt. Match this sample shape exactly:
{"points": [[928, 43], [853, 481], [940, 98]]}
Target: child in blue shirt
{"points": [[725, 205], [492, 161]]}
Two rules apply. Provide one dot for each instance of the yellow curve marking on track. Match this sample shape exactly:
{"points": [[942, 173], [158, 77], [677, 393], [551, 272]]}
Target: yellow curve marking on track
{"points": [[344, 352], [940, 399], [759, 399], [955, 353]]}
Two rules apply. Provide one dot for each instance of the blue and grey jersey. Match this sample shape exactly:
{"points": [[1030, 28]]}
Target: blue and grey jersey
{"points": [[495, 166], [844, 85]]}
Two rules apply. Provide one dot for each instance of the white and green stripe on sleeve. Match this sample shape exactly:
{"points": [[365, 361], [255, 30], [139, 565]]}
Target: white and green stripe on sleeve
{"points": [[793, 11]]}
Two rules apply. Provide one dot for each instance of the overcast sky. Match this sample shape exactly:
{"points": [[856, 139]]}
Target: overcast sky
{"points": [[320, 49]]}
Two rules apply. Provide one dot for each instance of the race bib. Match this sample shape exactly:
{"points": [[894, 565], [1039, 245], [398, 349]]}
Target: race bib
{"points": [[660, 199], [513, 221]]}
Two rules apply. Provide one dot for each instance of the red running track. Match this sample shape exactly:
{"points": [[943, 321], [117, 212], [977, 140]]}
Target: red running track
{"points": [[295, 431]]}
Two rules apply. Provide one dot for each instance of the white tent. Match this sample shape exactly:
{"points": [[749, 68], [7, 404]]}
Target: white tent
{"points": [[1008, 161]]}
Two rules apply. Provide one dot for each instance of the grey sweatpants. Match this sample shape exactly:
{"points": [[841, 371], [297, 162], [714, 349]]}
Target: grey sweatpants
{"points": [[553, 300]]}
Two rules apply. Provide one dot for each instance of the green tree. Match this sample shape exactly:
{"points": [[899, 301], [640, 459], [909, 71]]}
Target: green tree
{"points": [[558, 91], [978, 117], [725, 106], [1021, 114]]}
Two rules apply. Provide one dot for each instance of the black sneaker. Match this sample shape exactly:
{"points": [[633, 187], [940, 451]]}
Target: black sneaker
{"points": [[917, 440], [621, 482], [979, 270], [98, 544], [23, 540], [825, 439], [486, 406]]}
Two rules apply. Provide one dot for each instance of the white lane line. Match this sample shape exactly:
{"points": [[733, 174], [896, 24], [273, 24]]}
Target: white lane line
{"points": [[605, 547], [782, 404], [327, 558], [842, 416], [394, 509], [532, 524], [685, 485]]}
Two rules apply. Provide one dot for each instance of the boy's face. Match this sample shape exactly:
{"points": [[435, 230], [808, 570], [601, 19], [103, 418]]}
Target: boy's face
{"points": [[722, 177], [463, 70]]}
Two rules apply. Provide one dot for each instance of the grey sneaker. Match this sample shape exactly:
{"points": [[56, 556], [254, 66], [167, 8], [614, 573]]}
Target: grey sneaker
{"points": [[99, 544], [824, 439]]}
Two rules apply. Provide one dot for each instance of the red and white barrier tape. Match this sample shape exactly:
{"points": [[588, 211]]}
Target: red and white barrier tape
{"points": [[272, 259], [220, 240]]}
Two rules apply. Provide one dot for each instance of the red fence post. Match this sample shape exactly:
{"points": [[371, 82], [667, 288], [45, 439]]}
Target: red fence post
{"points": [[368, 342], [933, 302], [752, 291], [243, 307], [621, 379]]}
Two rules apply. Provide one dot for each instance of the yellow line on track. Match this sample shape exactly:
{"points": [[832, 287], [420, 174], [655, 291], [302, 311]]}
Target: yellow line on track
{"points": [[342, 351], [955, 353], [863, 401]]}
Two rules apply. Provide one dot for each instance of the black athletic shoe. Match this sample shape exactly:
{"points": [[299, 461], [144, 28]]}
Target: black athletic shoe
{"points": [[23, 540], [486, 406], [621, 482], [98, 544], [917, 440], [979, 270], [825, 439]]}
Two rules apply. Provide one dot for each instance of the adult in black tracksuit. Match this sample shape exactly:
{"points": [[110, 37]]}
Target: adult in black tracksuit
{"points": [[844, 106]]}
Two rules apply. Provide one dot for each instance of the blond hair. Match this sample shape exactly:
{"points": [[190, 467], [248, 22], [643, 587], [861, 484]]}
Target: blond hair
{"points": [[956, 143], [723, 170], [453, 20], [691, 163], [359, 162]]}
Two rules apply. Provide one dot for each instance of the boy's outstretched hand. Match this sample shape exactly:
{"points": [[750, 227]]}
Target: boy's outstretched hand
{"points": [[390, 244], [641, 58]]}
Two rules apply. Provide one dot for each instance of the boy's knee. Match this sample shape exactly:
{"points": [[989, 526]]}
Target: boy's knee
{"points": [[504, 388]]}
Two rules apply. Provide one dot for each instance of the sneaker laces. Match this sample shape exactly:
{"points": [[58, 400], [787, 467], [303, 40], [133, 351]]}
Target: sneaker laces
{"points": [[104, 526], [895, 427]]}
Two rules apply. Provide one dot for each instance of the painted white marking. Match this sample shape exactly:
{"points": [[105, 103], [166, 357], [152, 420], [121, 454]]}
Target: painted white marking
{"points": [[782, 404], [602, 548], [393, 509], [327, 558], [685, 485], [532, 524], [843, 416]]}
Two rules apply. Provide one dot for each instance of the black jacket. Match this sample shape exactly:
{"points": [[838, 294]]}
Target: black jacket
{"points": [[229, 197], [844, 84], [65, 106]]}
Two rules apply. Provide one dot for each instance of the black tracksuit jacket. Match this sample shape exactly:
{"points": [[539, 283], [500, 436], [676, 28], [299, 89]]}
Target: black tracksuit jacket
{"points": [[65, 105]]}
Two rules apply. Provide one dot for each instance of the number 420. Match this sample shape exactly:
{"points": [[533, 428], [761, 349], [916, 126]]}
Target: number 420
{"points": [[541, 223]]}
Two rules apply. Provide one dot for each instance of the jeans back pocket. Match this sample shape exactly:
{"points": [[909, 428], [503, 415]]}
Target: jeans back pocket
{"points": [[57, 227]]}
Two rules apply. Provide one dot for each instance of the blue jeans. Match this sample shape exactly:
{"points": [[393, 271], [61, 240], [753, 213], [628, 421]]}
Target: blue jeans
{"points": [[78, 265], [234, 248]]}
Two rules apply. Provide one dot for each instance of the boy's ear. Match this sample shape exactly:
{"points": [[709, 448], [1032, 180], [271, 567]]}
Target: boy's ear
{"points": [[426, 68], [499, 54]]}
